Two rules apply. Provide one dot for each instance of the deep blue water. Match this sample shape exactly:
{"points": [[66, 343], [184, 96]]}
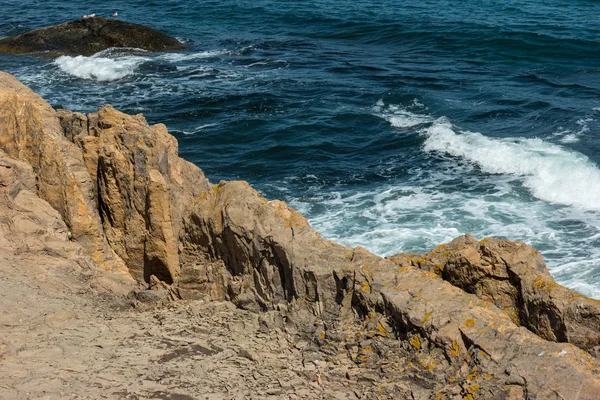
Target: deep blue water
{"points": [[392, 125]]}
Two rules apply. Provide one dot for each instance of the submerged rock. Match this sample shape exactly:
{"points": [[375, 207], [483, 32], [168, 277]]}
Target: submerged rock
{"points": [[88, 36]]}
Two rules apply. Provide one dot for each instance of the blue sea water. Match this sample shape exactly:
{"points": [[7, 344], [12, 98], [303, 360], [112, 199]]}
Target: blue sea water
{"points": [[394, 125]]}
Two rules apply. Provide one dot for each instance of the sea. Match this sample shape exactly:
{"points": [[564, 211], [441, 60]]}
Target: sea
{"points": [[392, 125]]}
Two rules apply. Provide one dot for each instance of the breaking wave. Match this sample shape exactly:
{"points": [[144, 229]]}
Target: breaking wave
{"points": [[100, 67], [551, 172]]}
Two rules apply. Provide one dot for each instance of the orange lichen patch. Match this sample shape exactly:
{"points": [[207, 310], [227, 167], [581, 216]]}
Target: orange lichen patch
{"points": [[427, 364], [396, 288], [402, 269], [441, 395], [418, 261], [544, 283], [395, 260], [322, 335], [365, 287], [472, 391], [472, 376], [439, 248], [367, 349], [427, 316], [513, 314], [202, 196], [140, 143], [349, 254], [455, 349], [484, 240], [217, 187], [415, 342], [382, 331], [470, 323]]}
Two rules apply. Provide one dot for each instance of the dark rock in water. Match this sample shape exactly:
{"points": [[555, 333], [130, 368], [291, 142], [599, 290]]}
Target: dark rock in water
{"points": [[88, 36]]}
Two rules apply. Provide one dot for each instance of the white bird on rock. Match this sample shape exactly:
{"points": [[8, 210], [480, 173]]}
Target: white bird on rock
{"points": [[115, 14], [88, 16]]}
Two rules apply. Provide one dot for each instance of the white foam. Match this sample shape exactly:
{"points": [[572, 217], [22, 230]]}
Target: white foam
{"points": [[551, 172], [400, 117], [570, 138], [99, 67], [201, 127], [175, 57]]}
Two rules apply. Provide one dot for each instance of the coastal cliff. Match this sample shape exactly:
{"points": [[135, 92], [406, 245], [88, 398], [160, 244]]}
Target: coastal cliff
{"points": [[117, 214]]}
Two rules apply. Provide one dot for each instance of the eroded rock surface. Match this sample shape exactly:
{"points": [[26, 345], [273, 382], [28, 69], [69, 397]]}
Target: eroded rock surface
{"points": [[88, 36], [380, 327], [513, 276]]}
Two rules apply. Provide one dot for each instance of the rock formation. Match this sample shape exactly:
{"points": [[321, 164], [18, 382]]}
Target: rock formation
{"points": [[88, 36], [513, 277], [451, 324]]}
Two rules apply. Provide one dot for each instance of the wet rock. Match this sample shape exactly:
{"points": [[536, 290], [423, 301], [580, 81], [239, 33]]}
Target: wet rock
{"points": [[88, 36]]}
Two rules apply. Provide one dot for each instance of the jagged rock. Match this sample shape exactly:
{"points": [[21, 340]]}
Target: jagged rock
{"points": [[169, 225], [143, 187], [34, 238], [30, 131], [513, 276], [88, 36]]}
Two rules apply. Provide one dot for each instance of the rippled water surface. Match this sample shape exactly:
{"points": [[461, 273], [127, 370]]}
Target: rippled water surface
{"points": [[391, 125]]}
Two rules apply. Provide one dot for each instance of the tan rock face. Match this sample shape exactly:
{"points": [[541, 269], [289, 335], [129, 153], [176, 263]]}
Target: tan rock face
{"points": [[121, 188], [31, 132], [143, 188], [513, 276]]}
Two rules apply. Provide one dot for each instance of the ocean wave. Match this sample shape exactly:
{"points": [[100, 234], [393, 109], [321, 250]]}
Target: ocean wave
{"points": [[176, 57], [400, 117], [551, 172], [101, 66]]}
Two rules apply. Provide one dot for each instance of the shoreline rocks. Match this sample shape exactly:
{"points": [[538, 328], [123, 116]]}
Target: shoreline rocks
{"points": [[442, 324], [88, 36]]}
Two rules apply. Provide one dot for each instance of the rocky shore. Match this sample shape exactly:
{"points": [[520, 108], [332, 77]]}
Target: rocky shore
{"points": [[127, 274]]}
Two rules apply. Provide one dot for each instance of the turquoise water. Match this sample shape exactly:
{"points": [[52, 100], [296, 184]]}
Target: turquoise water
{"points": [[392, 125]]}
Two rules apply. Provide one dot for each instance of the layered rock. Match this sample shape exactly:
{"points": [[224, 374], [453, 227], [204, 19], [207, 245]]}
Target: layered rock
{"points": [[161, 218], [31, 132], [513, 276], [87, 36]]}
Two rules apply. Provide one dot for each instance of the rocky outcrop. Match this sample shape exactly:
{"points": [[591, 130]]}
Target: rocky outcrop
{"points": [[162, 219], [31, 132], [513, 276], [87, 36]]}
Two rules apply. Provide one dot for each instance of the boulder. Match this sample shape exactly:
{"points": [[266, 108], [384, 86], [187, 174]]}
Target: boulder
{"points": [[87, 36]]}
